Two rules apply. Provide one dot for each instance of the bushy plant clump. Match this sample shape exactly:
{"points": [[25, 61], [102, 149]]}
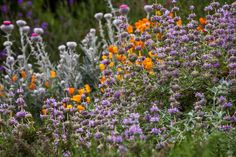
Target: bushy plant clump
{"points": [[162, 87]]}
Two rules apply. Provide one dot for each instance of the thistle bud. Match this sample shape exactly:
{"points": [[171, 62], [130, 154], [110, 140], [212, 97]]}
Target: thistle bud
{"points": [[108, 16], [38, 31], [148, 8], [25, 29], [124, 9], [7, 27], [71, 44], [98, 16], [20, 23]]}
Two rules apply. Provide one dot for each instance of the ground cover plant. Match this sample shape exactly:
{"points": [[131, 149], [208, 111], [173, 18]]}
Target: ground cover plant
{"points": [[161, 86]]}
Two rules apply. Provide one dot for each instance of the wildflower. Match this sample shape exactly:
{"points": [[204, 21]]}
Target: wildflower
{"points": [[35, 37], [20, 23], [143, 24], [179, 22], [14, 78], [76, 98], [46, 84], [53, 74], [69, 106], [112, 49], [21, 114], [130, 29], [148, 63], [71, 91], [124, 9], [80, 108], [44, 111], [202, 21], [87, 88], [102, 67], [32, 86], [25, 29], [111, 64], [88, 99], [23, 74], [38, 31], [148, 8], [7, 27], [71, 44], [98, 16], [81, 91]]}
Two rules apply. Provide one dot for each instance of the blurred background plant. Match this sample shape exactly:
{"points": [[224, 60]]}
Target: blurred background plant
{"points": [[70, 20]]}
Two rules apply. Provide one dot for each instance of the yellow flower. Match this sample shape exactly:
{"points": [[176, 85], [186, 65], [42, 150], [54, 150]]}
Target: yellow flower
{"points": [[1, 87], [179, 22], [158, 13], [112, 49], [104, 57], [44, 111], [53, 74], [69, 106], [110, 55], [119, 77], [81, 91], [102, 67], [88, 99], [80, 108], [103, 79], [111, 64], [147, 63], [76, 98], [87, 88]]}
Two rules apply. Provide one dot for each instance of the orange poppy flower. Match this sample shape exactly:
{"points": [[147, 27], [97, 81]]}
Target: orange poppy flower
{"points": [[130, 29], [71, 91], [202, 21], [53, 74], [87, 88], [76, 98], [32, 86], [112, 49], [80, 108], [14, 78], [23, 74]]}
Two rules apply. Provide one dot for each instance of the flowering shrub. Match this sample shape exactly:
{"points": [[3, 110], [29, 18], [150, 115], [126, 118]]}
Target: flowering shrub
{"points": [[160, 82]]}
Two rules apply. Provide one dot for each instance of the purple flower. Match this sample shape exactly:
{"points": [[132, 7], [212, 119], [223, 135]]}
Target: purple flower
{"points": [[106, 103], [44, 25], [134, 129], [21, 114], [4, 9], [173, 110], [155, 131], [154, 109], [20, 101], [20, 1], [227, 105]]}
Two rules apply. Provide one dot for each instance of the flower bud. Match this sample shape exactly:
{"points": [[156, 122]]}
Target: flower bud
{"points": [[71, 44], [7, 27], [98, 16], [25, 29], [20, 23], [62, 48], [108, 16], [148, 8], [124, 9], [38, 31]]}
